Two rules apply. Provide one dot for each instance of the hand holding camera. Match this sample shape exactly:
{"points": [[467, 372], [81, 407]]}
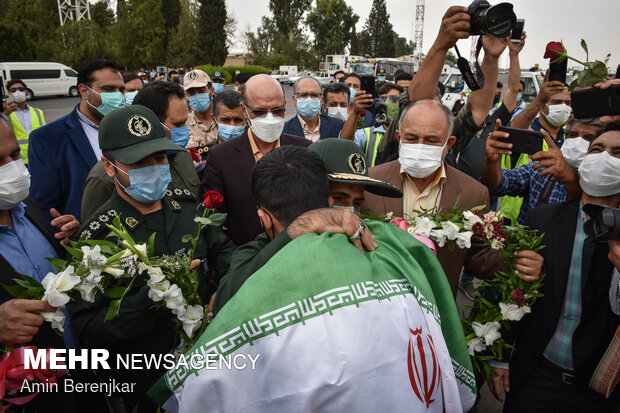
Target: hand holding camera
{"points": [[455, 25]]}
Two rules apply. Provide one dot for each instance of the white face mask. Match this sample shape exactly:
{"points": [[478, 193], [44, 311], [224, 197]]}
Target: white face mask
{"points": [[338, 113], [599, 174], [268, 127], [574, 150], [14, 184], [20, 97], [420, 160], [558, 114]]}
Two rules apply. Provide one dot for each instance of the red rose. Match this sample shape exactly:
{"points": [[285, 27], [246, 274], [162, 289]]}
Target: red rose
{"points": [[195, 155], [213, 200], [478, 229], [363, 113], [551, 52], [518, 297]]}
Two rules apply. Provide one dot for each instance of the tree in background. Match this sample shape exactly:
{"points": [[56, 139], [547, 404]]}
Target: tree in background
{"points": [[333, 24], [81, 40], [212, 18], [402, 46], [183, 44], [377, 38], [172, 15], [287, 16], [11, 35]]}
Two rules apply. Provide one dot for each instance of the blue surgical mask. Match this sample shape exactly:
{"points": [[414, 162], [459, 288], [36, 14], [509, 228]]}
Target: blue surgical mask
{"points": [[352, 96], [519, 97], [309, 107], [180, 136], [227, 132], [218, 87], [129, 97], [381, 78], [148, 184], [200, 102], [110, 101]]}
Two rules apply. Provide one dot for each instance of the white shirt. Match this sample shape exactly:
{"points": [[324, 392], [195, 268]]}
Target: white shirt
{"points": [[24, 118], [92, 133]]}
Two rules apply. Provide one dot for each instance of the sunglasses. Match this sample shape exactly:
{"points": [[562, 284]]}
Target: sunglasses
{"points": [[15, 89], [261, 112]]}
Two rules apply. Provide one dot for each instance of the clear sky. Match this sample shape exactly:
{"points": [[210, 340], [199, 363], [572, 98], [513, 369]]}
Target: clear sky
{"points": [[597, 21]]}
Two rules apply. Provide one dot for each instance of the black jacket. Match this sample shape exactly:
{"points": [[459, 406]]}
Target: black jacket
{"points": [[598, 323]]}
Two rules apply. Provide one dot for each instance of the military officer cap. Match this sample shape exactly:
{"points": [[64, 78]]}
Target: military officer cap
{"points": [[218, 75], [196, 79], [132, 133], [345, 163], [381, 71]]}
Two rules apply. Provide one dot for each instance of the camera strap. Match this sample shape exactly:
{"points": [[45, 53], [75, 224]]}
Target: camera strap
{"points": [[474, 80]]}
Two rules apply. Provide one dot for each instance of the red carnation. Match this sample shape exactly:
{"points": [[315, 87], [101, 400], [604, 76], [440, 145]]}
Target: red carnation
{"points": [[195, 155], [552, 50], [478, 229], [363, 113], [213, 200], [518, 297]]}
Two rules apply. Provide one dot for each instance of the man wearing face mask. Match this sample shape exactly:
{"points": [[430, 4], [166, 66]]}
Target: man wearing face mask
{"points": [[62, 153], [309, 122], [560, 343], [199, 91], [134, 146], [359, 103], [229, 166], [427, 182], [167, 101], [23, 117], [133, 84], [381, 77], [219, 81], [551, 177]]}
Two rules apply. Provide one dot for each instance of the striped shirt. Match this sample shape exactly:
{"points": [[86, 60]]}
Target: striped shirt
{"points": [[560, 349], [429, 198]]}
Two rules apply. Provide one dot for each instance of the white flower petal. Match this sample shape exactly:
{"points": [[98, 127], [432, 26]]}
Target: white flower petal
{"points": [[57, 319], [488, 331], [476, 345], [450, 229]]}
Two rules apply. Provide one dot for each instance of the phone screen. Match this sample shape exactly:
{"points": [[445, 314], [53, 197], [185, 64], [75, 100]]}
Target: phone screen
{"points": [[517, 31], [368, 84]]}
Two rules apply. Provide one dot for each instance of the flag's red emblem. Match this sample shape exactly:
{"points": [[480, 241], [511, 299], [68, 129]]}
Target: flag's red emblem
{"points": [[424, 379]]}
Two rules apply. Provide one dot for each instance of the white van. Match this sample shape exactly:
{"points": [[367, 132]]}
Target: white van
{"points": [[42, 78]]}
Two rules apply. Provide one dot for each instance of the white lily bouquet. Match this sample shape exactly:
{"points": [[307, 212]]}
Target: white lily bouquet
{"points": [[504, 299], [105, 268]]}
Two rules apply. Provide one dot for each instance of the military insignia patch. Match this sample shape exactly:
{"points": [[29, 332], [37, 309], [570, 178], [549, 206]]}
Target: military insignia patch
{"points": [[175, 205], [138, 125], [192, 75], [357, 163], [131, 222]]}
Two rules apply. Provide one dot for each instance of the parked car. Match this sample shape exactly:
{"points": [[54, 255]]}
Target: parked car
{"points": [[42, 78], [280, 75]]}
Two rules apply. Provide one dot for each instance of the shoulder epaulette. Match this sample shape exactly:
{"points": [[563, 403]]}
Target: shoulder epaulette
{"points": [[97, 225], [181, 194]]}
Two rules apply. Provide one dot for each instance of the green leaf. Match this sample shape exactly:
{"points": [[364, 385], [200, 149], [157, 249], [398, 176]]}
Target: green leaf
{"points": [[30, 280], [584, 46], [77, 254], [23, 283], [114, 292], [15, 290], [113, 310], [202, 220], [218, 219], [151, 244], [478, 208], [114, 258], [186, 238], [58, 264]]}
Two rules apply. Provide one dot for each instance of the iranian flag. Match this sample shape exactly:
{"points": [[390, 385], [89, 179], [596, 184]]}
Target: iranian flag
{"points": [[334, 330]]}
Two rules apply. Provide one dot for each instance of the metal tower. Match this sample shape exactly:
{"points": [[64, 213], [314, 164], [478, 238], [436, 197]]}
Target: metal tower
{"points": [[419, 26], [73, 10]]}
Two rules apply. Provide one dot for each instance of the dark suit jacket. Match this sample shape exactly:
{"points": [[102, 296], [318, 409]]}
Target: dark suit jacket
{"points": [[60, 158], [229, 171], [330, 127], [598, 323], [481, 261]]}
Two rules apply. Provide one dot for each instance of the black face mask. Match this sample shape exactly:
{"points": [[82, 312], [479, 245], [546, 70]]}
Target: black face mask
{"points": [[496, 98]]}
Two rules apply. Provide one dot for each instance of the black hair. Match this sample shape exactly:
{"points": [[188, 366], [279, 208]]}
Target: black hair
{"points": [[172, 72], [386, 87], [403, 76], [338, 72], [289, 181], [242, 78], [86, 69], [335, 88], [613, 126], [156, 96], [352, 74], [129, 76], [522, 84], [500, 85], [14, 81], [229, 98]]}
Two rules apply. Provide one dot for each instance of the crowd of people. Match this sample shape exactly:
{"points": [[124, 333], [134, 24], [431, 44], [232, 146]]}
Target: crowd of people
{"points": [[147, 149]]}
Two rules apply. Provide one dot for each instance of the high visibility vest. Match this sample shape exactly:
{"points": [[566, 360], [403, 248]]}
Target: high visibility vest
{"points": [[373, 139], [20, 132]]}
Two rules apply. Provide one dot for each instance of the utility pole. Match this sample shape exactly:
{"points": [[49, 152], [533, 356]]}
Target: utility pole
{"points": [[73, 10], [419, 27]]}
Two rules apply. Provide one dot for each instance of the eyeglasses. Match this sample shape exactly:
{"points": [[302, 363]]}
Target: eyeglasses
{"points": [[15, 89], [393, 98], [308, 95], [261, 112]]}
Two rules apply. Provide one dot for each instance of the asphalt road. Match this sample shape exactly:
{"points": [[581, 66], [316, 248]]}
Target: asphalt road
{"points": [[54, 108]]}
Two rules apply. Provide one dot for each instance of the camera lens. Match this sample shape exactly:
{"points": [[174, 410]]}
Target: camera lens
{"points": [[499, 20]]}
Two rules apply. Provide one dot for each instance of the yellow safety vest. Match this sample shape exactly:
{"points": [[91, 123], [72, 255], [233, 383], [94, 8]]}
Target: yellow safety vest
{"points": [[20, 132], [373, 139]]}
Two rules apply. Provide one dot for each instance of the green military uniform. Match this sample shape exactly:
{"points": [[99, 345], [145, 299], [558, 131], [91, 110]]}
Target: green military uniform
{"points": [[131, 134], [99, 186], [203, 151]]}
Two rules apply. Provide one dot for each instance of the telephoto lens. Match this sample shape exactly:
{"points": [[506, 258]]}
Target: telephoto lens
{"points": [[496, 21]]}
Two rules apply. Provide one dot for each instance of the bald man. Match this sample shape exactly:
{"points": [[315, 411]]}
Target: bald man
{"points": [[229, 166]]}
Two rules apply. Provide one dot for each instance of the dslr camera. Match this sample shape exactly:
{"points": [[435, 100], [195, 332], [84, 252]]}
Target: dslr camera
{"points": [[604, 222], [495, 21]]}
